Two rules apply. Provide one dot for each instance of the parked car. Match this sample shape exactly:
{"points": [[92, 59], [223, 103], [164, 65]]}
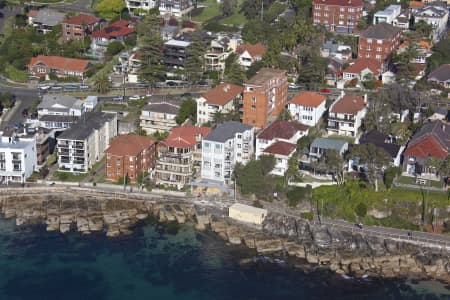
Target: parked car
{"points": [[84, 87], [56, 88], [43, 87], [135, 97], [325, 91], [118, 98], [25, 113], [293, 86]]}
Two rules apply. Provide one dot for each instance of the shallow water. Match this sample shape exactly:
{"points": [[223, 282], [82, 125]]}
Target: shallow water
{"points": [[175, 262]]}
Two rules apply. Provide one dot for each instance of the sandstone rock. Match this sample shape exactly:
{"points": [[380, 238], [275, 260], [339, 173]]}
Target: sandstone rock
{"points": [[64, 227], [234, 235], [266, 246]]}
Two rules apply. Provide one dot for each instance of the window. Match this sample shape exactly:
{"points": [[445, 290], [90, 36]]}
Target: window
{"points": [[239, 146], [207, 145], [380, 42], [218, 146], [378, 56], [253, 99], [369, 41], [378, 49], [253, 107], [239, 136]]}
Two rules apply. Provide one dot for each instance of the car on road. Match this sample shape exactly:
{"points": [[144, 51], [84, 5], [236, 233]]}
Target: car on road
{"points": [[25, 113], [44, 87], [359, 225], [326, 91], [84, 87], [135, 97], [118, 98], [56, 88], [70, 87]]}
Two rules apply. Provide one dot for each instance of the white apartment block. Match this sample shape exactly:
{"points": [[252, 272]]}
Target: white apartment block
{"points": [[231, 142], [18, 157], [346, 114], [387, 15], [307, 108], [81, 146], [435, 14], [140, 4], [175, 8]]}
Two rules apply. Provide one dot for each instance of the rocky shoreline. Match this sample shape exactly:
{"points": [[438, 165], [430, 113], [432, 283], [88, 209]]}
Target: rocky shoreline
{"points": [[343, 252]]}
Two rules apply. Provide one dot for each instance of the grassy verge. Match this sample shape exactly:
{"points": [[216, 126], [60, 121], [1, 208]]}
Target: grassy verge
{"points": [[15, 74], [211, 10], [412, 181], [348, 139], [66, 176]]}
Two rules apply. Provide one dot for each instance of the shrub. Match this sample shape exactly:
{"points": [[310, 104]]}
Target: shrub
{"points": [[258, 204], [389, 176], [307, 215], [361, 209]]}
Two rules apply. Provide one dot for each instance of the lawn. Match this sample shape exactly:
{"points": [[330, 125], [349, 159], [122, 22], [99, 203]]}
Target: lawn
{"points": [[412, 181], [235, 19], [211, 9], [348, 139], [66, 176]]}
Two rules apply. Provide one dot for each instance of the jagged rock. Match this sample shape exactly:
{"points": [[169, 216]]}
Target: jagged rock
{"points": [[64, 227], [141, 216], [234, 235], [266, 246], [321, 238]]}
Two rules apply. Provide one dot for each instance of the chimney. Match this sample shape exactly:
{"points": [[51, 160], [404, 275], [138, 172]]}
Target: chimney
{"points": [[365, 98], [226, 88]]}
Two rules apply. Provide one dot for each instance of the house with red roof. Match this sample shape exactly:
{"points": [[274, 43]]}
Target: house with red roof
{"points": [[42, 66], [179, 155], [78, 27], [363, 69], [345, 115], [307, 107], [431, 141], [249, 53], [282, 151], [130, 155], [221, 99], [279, 131], [117, 31]]}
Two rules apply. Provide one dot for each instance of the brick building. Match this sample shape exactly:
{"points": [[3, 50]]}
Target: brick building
{"points": [[265, 96], [78, 27], [129, 154], [337, 15], [379, 41]]}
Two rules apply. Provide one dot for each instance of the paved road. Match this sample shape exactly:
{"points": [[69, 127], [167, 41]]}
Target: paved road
{"points": [[26, 97], [82, 6]]}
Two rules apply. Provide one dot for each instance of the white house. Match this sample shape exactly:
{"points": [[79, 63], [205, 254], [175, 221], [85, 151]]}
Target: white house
{"points": [[248, 54], [363, 69], [219, 99], [220, 48], [282, 151], [307, 107], [90, 103], [346, 114], [61, 105], [279, 131], [387, 15], [435, 14], [140, 4], [18, 157], [175, 8], [227, 144]]}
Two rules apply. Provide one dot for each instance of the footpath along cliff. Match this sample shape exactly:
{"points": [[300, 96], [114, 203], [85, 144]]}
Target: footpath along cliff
{"points": [[342, 251]]}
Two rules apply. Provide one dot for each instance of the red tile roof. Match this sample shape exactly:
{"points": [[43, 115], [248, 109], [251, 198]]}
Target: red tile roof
{"points": [[416, 3], [254, 50], [223, 93], [349, 104], [129, 145], [81, 19], [60, 63], [116, 29], [429, 146], [364, 63], [32, 13], [281, 148], [186, 136], [352, 3], [281, 129], [433, 139], [309, 99]]}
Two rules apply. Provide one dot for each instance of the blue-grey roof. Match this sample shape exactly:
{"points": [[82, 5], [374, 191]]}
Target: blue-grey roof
{"points": [[86, 125], [226, 131], [326, 143]]}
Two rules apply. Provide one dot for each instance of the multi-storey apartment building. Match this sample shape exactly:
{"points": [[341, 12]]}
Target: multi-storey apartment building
{"points": [[159, 116], [265, 96], [337, 15], [179, 154], [175, 8], [17, 157], [436, 15], [175, 54], [379, 41], [307, 107], [346, 114], [227, 144], [85, 142], [78, 27], [220, 48], [220, 99], [130, 155]]}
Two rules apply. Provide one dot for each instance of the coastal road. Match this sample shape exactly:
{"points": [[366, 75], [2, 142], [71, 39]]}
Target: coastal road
{"points": [[24, 98]]}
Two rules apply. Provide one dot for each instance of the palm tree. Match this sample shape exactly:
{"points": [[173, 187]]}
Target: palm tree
{"points": [[102, 84]]}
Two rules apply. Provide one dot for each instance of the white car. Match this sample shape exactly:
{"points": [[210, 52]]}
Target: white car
{"points": [[135, 97]]}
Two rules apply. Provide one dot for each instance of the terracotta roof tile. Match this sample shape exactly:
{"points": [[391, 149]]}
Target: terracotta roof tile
{"points": [[281, 148], [116, 29], [61, 63], [364, 63], [81, 19], [32, 13], [185, 136], [281, 129], [310, 99], [432, 139], [256, 50], [352, 3], [223, 93], [416, 4], [349, 104], [129, 144]]}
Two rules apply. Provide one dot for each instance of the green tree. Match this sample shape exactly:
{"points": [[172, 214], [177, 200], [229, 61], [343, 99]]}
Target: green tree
{"points": [[227, 7], [194, 62], [188, 110], [362, 24], [114, 48], [423, 29], [151, 44], [335, 165], [110, 9], [233, 72], [292, 170], [102, 84], [374, 158], [361, 209], [160, 135]]}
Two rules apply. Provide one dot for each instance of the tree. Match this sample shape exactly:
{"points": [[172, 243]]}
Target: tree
{"points": [[233, 72], [423, 29], [194, 62], [188, 110], [102, 84], [362, 24], [110, 9], [292, 170], [151, 44], [267, 163], [114, 48], [227, 7], [335, 165], [374, 158], [160, 135]]}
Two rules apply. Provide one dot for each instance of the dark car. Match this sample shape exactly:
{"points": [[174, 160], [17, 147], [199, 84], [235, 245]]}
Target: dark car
{"points": [[25, 112]]}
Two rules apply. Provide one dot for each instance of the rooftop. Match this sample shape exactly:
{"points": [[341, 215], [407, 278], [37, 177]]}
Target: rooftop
{"points": [[60, 63], [186, 136], [223, 93], [281, 148], [364, 63], [59, 101], [380, 140], [309, 99], [264, 75], [381, 31], [81, 19], [225, 131], [256, 50], [440, 74], [327, 144], [348, 104], [162, 107], [86, 125], [432, 139], [48, 17], [177, 43], [59, 118], [129, 145], [281, 129], [116, 29]]}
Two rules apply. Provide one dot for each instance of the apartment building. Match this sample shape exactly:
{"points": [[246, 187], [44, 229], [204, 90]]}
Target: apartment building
{"points": [[220, 48], [436, 15], [307, 107], [221, 99], [387, 15], [78, 27], [179, 155], [81, 146], [130, 155], [346, 114], [379, 41], [44, 145], [175, 54], [337, 15], [227, 144], [140, 5], [159, 116], [18, 158], [265, 97], [176, 8]]}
